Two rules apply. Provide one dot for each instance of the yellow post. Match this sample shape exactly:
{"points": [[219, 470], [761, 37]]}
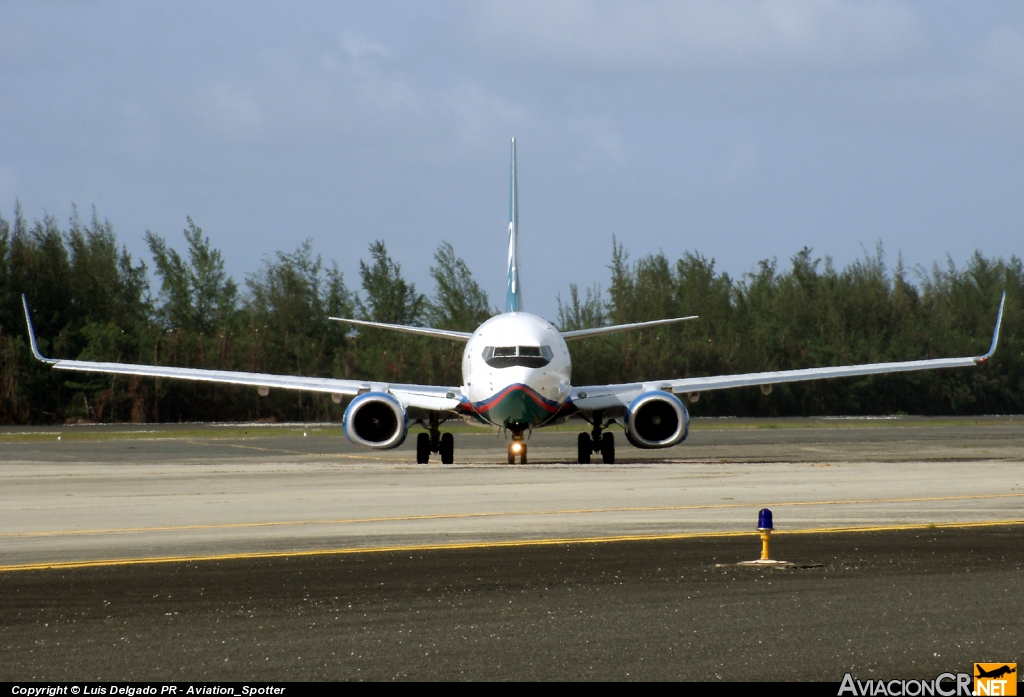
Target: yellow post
{"points": [[765, 536]]}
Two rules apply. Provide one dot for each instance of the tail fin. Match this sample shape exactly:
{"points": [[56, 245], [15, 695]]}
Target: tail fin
{"points": [[513, 297]]}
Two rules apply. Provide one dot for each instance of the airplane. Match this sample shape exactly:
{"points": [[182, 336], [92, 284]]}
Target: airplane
{"points": [[995, 673], [516, 375]]}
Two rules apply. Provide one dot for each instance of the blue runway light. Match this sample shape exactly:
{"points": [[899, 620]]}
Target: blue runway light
{"points": [[764, 520]]}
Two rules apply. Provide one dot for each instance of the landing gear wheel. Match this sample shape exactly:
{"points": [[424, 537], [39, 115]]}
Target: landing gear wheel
{"points": [[583, 448], [447, 449], [422, 448], [608, 449], [517, 447]]}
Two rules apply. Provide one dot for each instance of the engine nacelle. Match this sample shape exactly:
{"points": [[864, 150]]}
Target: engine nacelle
{"points": [[376, 420], [656, 420]]}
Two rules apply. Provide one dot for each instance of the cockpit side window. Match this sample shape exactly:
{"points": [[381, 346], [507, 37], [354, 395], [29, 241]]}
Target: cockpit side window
{"points": [[524, 356]]}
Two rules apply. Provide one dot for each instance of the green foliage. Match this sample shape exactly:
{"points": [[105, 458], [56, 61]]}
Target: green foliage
{"points": [[587, 313], [91, 300], [388, 297], [78, 281], [459, 302], [806, 316], [198, 295], [288, 308]]}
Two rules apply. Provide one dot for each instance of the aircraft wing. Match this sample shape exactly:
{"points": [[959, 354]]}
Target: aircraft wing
{"points": [[614, 329], [422, 397], [617, 397], [422, 331]]}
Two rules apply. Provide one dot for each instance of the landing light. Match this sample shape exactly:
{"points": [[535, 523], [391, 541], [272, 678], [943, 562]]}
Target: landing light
{"points": [[517, 447]]}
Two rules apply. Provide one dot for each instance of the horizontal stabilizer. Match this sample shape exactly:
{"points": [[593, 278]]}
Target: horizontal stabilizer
{"points": [[424, 331], [595, 331]]}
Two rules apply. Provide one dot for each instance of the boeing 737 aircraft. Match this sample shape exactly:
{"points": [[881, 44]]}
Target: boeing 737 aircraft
{"points": [[516, 375]]}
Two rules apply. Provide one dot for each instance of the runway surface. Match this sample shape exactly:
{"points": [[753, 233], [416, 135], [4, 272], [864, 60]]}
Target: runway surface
{"points": [[104, 494], [261, 553]]}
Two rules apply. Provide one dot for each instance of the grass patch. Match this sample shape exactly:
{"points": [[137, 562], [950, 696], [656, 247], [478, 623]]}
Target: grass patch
{"points": [[203, 431]]}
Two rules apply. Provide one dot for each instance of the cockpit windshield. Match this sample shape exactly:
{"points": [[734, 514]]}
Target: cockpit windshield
{"points": [[524, 356]]}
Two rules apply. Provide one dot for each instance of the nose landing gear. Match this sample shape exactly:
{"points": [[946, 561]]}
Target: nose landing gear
{"points": [[517, 447], [596, 442]]}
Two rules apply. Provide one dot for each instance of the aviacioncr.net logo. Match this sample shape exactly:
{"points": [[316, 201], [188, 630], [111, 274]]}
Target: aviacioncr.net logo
{"points": [[945, 685]]}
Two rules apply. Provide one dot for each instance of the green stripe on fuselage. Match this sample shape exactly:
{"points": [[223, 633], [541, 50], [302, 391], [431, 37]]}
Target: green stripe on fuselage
{"points": [[517, 407]]}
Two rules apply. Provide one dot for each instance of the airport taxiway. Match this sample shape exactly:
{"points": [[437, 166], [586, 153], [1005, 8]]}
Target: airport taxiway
{"points": [[175, 493], [215, 553]]}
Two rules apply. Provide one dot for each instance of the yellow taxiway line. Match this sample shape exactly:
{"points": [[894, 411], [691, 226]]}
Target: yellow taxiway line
{"points": [[492, 514], [487, 545]]}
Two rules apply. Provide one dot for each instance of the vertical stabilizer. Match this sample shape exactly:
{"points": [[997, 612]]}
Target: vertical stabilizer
{"points": [[513, 297]]}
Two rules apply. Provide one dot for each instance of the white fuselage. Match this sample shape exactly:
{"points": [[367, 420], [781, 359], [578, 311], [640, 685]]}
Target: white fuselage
{"points": [[516, 371]]}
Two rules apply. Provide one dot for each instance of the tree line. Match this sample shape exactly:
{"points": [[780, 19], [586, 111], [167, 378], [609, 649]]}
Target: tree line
{"points": [[92, 301]]}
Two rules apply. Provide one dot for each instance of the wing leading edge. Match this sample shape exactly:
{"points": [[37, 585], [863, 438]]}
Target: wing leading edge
{"points": [[613, 396], [614, 329], [408, 329], [427, 397]]}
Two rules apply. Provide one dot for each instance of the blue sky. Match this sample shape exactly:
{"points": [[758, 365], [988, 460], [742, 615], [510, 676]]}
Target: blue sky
{"points": [[741, 130]]}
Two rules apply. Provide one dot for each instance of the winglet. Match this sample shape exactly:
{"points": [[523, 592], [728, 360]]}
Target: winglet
{"points": [[995, 334], [32, 335]]}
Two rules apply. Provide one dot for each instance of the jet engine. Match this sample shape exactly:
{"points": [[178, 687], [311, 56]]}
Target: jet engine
{"points": [[656, 420], [376, 420]]}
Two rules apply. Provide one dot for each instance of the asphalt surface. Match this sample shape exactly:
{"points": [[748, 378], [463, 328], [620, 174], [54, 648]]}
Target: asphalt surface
{"points": [[206, 492], [261, 554], [906, 604]]}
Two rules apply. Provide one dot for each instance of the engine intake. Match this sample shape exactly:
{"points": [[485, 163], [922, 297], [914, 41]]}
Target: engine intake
{"points": [[376, 420], [656, 420]]}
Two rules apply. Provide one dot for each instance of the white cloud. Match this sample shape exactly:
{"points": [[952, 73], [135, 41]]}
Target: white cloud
{"points": [[729, 34], [357, 47], [231, 111], [598, 137], [476, 112], [1004, 50]]}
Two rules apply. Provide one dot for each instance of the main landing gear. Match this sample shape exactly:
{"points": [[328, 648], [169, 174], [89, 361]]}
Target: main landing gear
{"points": [[596, 442], [435, 442]]}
